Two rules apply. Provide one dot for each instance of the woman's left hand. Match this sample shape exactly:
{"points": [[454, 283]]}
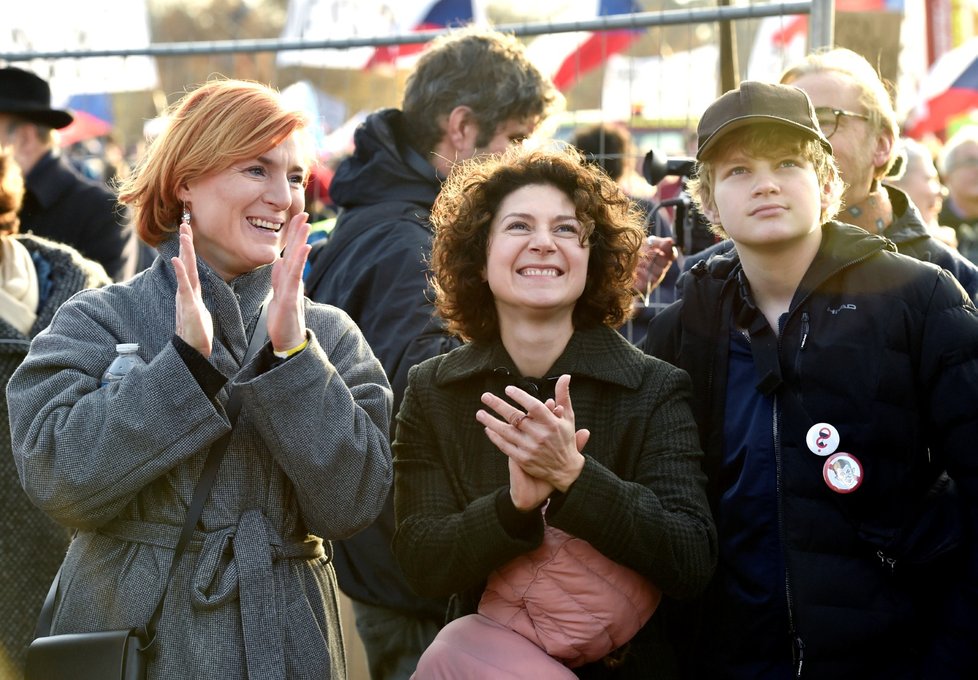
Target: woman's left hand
{"points": [[193, 323], [542, 440], [286, 313]]}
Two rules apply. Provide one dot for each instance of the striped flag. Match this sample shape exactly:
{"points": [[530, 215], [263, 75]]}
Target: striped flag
{"points": [[949, 90], [565, 57], [345, 19], [440, 14]]}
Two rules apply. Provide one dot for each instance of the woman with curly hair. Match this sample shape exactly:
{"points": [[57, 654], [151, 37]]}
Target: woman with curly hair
{"points": [[533, 262]]}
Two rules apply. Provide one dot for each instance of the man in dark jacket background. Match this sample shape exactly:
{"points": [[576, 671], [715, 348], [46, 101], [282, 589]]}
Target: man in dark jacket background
{"points": [[472, 92], [60, 203]]}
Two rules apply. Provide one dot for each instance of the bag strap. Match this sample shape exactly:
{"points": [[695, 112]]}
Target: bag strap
{"points": [[201, 492]]}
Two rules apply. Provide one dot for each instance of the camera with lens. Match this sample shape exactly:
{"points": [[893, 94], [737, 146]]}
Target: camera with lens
{"points": [[691, 228]]}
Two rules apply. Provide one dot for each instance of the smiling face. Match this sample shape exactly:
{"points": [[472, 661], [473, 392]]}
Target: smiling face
{"points": [[767, 202], [535, 263], [239, 214]]}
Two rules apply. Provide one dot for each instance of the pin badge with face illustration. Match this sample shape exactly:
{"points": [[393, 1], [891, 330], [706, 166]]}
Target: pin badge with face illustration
{"points": [[822, 439], [843, 472]]}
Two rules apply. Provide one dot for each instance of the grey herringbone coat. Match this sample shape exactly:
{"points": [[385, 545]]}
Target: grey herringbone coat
{"points": [[309, 459]]}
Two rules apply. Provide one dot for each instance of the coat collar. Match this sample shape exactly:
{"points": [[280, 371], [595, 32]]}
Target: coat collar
{"points": [[599, 353], [233, 303], [907, 223], [50, 177], [842, 245]]}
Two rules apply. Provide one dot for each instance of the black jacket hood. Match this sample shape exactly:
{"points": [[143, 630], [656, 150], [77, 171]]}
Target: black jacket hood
{"points": [[384, 167]]}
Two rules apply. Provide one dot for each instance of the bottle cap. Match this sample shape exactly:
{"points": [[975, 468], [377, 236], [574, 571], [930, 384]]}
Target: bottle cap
{"points": [[127, 347]]}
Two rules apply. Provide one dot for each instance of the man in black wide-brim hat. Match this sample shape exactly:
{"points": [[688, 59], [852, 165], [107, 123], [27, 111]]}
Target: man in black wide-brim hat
{"points": [[60, 203]]}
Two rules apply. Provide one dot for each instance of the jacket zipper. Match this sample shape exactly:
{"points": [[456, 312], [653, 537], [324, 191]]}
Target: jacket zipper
{"points": [[797, 644]]}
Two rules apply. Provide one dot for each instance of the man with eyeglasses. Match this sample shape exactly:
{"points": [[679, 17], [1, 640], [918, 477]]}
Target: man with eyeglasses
{"points": [[855, 112]]}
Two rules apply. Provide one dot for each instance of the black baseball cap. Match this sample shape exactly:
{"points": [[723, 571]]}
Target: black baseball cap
{"points": [[758, 103]]}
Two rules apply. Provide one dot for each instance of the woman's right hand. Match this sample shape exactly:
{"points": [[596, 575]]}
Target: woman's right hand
{"points": [[194, 324], [526, 491]]}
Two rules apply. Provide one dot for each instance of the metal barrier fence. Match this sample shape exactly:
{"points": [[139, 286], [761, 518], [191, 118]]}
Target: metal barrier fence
{"points": [[656, 92], [664, 89]]}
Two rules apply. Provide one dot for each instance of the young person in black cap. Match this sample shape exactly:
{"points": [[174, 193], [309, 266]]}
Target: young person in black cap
{"points": [[855, 112], [835, 384], [60, 203]]}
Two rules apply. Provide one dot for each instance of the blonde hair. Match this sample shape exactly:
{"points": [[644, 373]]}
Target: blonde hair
{"points": [[874, 92], [209, 129], [761, 141]]}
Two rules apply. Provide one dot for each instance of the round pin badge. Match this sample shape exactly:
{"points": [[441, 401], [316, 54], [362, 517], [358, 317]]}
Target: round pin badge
{"points": [[822, 439], [842, 472]]}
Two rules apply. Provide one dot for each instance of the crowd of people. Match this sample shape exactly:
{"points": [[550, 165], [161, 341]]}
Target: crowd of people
{"points": [[457, 408]]}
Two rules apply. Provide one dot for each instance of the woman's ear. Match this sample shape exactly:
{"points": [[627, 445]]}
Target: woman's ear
{"points": [[184, 193]]}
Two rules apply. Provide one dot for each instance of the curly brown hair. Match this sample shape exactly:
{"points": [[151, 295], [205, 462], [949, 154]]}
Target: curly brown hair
{"points": [[463, 213]]}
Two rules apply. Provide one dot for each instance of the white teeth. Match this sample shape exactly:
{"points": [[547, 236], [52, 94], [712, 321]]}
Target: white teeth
{"points": [[263, 224], [539, 272]]}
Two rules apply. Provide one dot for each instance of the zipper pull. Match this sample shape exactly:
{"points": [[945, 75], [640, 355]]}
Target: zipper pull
{"points": [[885, 561], [804, 329], [797, 652]]}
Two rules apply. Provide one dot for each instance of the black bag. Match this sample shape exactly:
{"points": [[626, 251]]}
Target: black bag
{"points": [[122, 654], [89, 656]]}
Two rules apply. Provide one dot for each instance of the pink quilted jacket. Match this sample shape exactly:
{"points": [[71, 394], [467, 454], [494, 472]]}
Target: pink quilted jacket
{"points": [[569, 599]]}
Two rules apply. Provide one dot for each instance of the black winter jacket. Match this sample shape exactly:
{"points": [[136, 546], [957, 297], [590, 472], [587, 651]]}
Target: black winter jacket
{"points": [[373, 266], [62, 205], [883, 581]]}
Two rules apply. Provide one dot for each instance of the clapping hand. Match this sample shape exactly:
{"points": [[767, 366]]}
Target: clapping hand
{"points": [[286, 311], [543, 447], [193, 321]]}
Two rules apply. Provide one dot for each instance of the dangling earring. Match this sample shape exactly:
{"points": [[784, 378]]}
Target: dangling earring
{"points": [[186, 216]]}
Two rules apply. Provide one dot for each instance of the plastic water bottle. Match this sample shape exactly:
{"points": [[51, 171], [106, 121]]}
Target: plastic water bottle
{"points": [[126, 358]]}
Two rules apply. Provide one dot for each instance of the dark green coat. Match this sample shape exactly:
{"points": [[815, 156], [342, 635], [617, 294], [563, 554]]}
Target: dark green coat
{"points": [[640, 498]]}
